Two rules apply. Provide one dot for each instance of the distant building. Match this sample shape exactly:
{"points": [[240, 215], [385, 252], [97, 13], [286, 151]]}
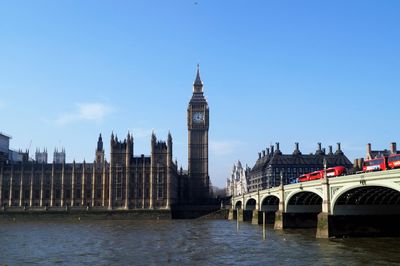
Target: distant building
{"points": [[4, 147], [4, 143], [372, 154], [59, 156], [237, 184], [272, 164], [127, 181], [7, 155], [41, 157]]}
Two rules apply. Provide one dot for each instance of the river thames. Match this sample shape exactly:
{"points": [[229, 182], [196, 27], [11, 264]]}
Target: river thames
{"points": [[182, 242]]}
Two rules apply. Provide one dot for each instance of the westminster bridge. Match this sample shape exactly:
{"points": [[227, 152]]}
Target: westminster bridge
{"points": [[359, 204]]}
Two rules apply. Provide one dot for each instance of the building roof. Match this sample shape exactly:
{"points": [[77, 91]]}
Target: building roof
{"points": [[5, 135], [378, 154], [298, 159]]}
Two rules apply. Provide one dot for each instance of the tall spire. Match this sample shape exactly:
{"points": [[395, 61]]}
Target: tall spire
{"points": [[100, 143], [198, 84]]}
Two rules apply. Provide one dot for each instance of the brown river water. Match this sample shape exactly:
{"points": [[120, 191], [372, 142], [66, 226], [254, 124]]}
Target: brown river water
{"points": [[182, 242]]}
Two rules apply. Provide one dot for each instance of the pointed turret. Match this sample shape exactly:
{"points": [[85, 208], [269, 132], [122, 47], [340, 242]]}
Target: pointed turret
{"points": [[100, 151], [198, 84], [112, 138], [128, 143], [153, 140], [169, 137], [169, 146], [100, 143]]}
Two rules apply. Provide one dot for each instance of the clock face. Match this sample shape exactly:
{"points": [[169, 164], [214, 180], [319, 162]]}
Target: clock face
{"points": [[198, 117]]}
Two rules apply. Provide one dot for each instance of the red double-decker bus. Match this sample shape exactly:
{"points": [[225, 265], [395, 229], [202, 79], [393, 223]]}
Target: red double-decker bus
{"points": [[335, 171], [394, 161], [378, 164], [304, 178], [330, 172], [317, 175]]}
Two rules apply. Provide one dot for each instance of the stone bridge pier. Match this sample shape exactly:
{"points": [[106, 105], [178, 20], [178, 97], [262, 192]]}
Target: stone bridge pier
{"points": [[246, 210], [305, 208]]}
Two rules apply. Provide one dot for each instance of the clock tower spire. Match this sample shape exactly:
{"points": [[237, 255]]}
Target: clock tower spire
{"points": [[198, 125], [198, 84]]}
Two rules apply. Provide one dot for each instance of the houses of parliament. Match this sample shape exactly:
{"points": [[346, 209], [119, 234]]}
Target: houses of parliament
{"points": [[124, 182]]}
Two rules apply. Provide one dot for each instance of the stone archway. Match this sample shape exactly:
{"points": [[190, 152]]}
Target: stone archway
{"points": [[250, 204], [302, 210], [304, 202], [270, 204], [366, 211], [238, 205], [367, 200]]}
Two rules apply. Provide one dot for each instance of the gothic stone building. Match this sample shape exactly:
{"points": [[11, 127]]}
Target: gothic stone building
{"points": [[125, 182], [271, 164], [236, 185]]}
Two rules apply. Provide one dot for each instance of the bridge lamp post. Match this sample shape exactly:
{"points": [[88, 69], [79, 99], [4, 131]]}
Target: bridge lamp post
{"points": [[325, 163]]}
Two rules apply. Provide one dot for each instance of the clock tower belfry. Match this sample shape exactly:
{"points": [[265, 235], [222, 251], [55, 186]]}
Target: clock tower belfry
{"points": [[198, 125]]}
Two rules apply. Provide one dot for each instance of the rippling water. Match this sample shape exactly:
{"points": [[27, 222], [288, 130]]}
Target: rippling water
{"points": [[182, 242]]}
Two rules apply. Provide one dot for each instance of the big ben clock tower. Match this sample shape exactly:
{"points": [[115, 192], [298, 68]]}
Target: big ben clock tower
{"points": [[198, 124]]}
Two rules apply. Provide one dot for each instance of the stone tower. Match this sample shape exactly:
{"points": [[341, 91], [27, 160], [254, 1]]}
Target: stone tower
{"points": [[198, 125], [121, 154]]}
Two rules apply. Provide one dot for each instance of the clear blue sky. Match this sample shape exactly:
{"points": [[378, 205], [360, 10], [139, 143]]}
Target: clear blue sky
{"points": [[273, 71]]}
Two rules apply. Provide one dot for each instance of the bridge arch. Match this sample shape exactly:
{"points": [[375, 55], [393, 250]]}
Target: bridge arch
{"points": [[304, 201], [238, 204], [250, 205], [270, 203], [374, 199]]}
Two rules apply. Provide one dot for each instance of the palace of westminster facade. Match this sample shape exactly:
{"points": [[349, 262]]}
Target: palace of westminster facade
{"points": [[125, 182]]}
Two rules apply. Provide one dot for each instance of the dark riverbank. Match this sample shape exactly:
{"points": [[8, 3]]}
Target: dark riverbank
{"points": [[58, 213]]}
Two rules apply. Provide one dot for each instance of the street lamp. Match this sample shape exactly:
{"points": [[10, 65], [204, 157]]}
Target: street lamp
{"points": [[325, 167]]}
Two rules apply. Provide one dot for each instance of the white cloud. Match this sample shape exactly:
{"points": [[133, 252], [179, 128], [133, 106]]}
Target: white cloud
{"points": [[224, 147], [84, 112]]}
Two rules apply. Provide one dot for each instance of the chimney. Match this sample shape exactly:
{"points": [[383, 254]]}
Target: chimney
{"points": [[296, 149], [277, 146], [393, 148], [263, 152], [339, 150], [259, 155], [319, 150], [267, 151], [369, 148], [356, 164], [272, 149], [330, 150]]}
